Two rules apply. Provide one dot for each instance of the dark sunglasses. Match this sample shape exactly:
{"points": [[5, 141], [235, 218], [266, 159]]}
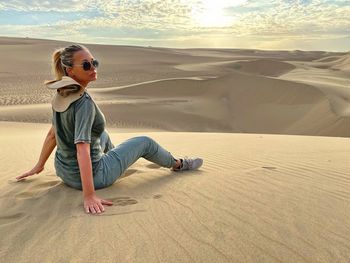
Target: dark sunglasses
{"points": [[87, 65]]}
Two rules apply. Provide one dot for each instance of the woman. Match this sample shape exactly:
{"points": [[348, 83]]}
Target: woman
{"points": [[85, 158]]}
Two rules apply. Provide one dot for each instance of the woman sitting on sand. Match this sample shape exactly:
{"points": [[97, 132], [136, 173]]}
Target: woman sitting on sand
{"points": [[85, 158]]}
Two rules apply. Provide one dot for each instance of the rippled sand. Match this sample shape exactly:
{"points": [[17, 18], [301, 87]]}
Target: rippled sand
{"points": [[258, 198]]}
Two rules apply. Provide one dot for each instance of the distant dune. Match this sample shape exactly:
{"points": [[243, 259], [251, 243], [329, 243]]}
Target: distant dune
{"points": [[265, 67], [343, 63], [213, 90]]}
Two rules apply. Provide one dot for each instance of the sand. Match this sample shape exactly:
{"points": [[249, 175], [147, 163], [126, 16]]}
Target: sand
{"points": [[271, 126], [196, 90]]}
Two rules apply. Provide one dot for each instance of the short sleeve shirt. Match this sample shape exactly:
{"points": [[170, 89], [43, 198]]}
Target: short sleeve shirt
{"points": [[84, 122]]}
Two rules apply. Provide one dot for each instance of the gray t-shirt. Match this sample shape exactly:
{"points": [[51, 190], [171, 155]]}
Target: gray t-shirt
{"points": [[83, 121]]}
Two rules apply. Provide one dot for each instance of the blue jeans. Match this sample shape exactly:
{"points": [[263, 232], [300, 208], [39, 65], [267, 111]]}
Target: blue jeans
{"points": [[116, 160]]}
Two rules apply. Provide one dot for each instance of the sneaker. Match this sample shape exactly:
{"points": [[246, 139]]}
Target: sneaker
{"points": [[189, 164]]}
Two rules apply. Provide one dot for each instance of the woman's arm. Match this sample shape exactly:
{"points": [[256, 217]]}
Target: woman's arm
{"points": [[92, 203], [85, 167], [47, 148]]}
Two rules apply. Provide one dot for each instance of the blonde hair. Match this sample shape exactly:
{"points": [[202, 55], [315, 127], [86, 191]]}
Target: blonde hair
{"points": [[63, 58]]}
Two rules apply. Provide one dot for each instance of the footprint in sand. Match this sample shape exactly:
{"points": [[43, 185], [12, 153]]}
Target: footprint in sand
{"points": [[10, 219], [128, 172], [269, 167], [36, 191], [157, 196], [123, 201], [153, 166]]}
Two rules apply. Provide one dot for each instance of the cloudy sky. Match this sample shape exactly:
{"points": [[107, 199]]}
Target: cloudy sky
{"points": [[264, 24]]}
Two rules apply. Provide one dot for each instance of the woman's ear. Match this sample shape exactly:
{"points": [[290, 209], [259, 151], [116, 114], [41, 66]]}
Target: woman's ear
{"points": [[69, 71]]}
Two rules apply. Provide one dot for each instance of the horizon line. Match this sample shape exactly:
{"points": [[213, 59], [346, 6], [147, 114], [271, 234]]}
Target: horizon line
{"points": [[169, 47]]}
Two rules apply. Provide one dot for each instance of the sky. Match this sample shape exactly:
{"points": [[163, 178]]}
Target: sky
{"points": [[264, 24]]}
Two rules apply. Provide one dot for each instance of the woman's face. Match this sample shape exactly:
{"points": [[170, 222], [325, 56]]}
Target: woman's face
{"points": [[77, 72]]}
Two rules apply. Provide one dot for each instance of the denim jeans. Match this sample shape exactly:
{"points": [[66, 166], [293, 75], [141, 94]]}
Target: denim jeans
{"points": [[117, 159]]}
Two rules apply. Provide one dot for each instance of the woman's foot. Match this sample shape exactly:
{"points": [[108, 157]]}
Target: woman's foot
{"points": [[188, 164]]}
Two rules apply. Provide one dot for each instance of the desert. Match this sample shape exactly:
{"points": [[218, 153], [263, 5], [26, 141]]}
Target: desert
{"points": [[272, 127]]}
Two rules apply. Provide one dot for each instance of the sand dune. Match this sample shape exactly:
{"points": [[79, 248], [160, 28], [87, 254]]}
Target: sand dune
{"points": [[343, 63], [336, 63], [262, 196], [258, 198], [328, 59], [229, 90], [266, 67], [333, 84], [231, 103]]}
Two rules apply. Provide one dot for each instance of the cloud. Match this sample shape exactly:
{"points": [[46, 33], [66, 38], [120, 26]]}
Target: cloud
{"points": [[296, 18], [181, 21], [46, 6]]}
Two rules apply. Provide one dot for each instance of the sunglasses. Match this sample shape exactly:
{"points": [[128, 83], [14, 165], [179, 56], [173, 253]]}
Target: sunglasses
{"points": [[87, 65]]}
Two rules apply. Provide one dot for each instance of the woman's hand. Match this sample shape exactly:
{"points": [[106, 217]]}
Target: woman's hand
{"points": [[48, 146], [37, 169], [94, 204]]}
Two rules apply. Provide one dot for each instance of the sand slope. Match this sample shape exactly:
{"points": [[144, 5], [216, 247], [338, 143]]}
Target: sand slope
{"points": [[343, 63], [258, 198]]}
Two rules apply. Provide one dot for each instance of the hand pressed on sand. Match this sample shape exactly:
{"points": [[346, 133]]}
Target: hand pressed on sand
{"points": [[94, 204], [36, 170]]}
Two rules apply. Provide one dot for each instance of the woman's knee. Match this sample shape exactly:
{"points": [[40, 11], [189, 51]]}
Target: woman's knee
{"points": [[145, 139], [148, 144]]}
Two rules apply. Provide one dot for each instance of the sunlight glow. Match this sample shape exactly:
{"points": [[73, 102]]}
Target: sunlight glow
{"points": [[210, 13]]}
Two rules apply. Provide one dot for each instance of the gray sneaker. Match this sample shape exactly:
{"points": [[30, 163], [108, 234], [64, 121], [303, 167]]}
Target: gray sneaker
{"points": [[189, 164]]}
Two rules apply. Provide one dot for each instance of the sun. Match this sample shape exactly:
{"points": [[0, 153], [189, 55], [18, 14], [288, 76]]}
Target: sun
{"points": [[210, 13]]}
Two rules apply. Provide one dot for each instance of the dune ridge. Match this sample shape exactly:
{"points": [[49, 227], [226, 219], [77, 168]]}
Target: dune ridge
{"points": [[343, 63]]}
